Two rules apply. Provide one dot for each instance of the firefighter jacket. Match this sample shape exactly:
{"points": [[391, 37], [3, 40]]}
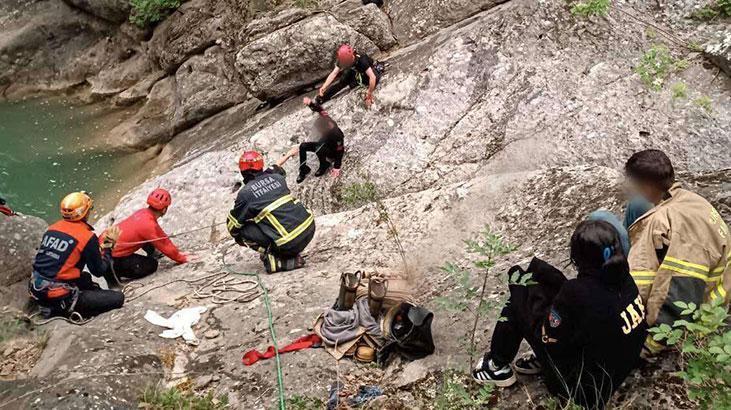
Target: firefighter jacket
{"points": [[267, 202], [680, 252]]}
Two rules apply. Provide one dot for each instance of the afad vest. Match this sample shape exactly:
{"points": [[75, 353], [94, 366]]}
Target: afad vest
{"points": [[59, 255]]}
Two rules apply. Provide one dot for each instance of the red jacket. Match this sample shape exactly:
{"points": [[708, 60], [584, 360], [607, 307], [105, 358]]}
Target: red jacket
{"points": [[142, 226]]}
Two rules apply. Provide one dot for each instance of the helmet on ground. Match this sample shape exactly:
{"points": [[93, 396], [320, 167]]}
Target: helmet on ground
{"points": [[159, 199], [251, 161], [76, 206], [346, 55]]}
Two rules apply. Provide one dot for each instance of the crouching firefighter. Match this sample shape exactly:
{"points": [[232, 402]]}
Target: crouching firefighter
{"points": [[59, 282], [267, 218]]}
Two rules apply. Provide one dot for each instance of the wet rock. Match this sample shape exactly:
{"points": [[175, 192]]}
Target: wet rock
{"points": [[112, 10], [20, 236], [295, 56]]}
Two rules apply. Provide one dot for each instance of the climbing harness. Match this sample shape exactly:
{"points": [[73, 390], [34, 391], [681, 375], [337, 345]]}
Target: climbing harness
{"points": [[272, 333]]}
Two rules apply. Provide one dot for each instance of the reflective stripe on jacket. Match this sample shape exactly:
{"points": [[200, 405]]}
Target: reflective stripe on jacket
{"points": [[696, 265], [267, 202]]}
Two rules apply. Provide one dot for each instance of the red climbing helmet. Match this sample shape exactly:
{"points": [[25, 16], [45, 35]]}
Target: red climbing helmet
{"points": [[159, 199], [346, 55], [251, 161]]}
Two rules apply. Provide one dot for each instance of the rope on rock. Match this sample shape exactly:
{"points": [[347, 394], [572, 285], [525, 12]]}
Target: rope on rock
{"points": [[265, 292], [74, 318]]}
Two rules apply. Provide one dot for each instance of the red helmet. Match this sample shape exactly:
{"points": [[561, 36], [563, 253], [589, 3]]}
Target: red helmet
{"points": [[159, 199], [346, 55], [251, 161]]}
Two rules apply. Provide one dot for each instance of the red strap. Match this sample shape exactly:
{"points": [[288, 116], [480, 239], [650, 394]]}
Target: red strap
{"points": [[304, 342], [6, 210]]}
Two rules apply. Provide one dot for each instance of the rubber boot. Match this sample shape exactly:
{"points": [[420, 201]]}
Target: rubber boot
{"points": [[377, 288], [304, 171], [349, 283]]}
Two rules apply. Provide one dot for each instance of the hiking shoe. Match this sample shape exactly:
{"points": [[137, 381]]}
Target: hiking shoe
{"points": [[323, 169], [528, 364], [304, 171], [487, 373]]}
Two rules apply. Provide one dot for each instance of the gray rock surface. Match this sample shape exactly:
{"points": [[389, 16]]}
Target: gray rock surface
{"points": [[20, 236], [113, 10], [293, 57], [719, 51], [368, 20]]}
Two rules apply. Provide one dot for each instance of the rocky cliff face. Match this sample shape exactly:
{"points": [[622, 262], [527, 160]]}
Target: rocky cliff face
{"points": [[513, 114]]}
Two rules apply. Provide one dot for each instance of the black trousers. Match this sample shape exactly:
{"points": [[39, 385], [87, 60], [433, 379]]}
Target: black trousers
{"points": [[136, 266], [253, 237], [348, 79], [91, 300], [319, 150]]}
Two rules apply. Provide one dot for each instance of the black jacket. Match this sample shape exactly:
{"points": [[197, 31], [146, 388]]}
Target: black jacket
{"points": [[267, 202], [333, 141], [593, 333]]}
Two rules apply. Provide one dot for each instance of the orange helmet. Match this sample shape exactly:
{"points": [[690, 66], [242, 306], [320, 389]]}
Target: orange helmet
{"points": [[346, 55], [251, 161], [159, 199], [76, 206]]}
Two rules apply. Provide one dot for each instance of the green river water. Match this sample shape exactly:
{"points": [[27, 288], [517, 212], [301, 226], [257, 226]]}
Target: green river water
{"points": [[48, 149]]}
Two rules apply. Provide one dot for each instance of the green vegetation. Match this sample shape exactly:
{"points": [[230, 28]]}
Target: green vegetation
{"points": [[704, 343], [488, 248], [718, 8], [453, 395], [680, 91], [551, 403], [705, 103], [656, 65], [305, 4], [10, 327], [298, 402], [357, 194], [176, 399], [588, 8], [146, 12]]}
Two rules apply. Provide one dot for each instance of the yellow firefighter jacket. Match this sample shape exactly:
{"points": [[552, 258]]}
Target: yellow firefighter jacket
{"points": [[696, 267]]}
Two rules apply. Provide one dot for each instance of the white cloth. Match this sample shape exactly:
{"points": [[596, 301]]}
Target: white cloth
{"points": [[179, 324]]}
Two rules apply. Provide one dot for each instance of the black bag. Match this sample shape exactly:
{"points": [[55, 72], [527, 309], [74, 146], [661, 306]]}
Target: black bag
{"points": [[408, 333]]}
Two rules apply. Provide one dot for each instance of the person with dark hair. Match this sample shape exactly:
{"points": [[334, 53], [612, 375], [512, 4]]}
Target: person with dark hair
{"points": [[586, 333], [680, 248], [357, 69], [329, 147], [267, 218]]}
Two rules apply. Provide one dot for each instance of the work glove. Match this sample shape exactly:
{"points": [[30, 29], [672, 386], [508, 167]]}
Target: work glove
{"points": [[111, 237]]}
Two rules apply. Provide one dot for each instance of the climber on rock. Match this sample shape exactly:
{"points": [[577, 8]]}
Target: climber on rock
{"points": [[141, 230], [586, 333], [266, 217], [60, 282], [357, 69], [679, 248], [329, 146]]}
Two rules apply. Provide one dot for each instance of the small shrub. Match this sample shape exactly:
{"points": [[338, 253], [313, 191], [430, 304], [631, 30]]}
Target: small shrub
{"points": [[358, 193], [176, 399], [588, 8], [11, 327], [488, 248], [656, 65], [704, 342], [705, 103], [454, 395], [680, 91], [298, 402], [146, 12], [305, 4], [724, 7]]}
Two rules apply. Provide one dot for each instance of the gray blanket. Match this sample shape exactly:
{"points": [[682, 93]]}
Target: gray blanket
{"points": [[343, 326]]}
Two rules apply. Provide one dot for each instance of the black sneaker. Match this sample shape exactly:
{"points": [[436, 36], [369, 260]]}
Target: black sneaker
{"points": [[323, 169], [304, 171], [528, 364], [487, 373]]}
